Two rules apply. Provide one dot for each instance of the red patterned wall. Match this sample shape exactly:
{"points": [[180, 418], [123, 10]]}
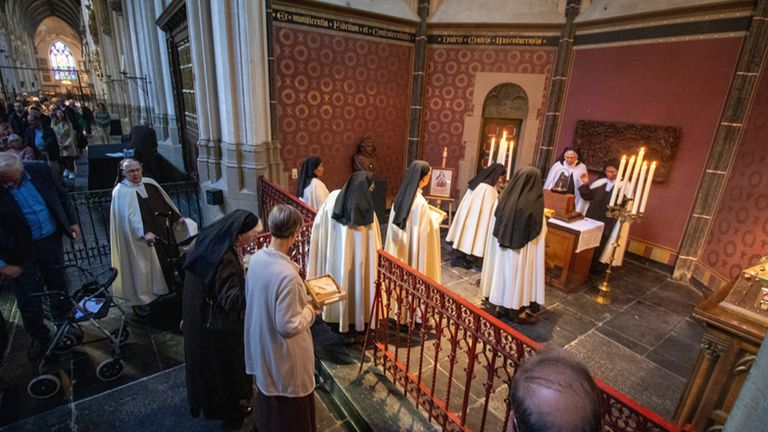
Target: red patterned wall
{"points": [[739, 232], [450, 87], [334, 88], [682, 84]]}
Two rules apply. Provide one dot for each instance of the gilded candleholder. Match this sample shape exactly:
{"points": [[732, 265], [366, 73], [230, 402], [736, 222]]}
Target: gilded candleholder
{"points": [[623, 214]]}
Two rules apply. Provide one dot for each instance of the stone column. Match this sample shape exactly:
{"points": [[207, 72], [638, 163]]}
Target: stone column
{"points": [[727, 137], [557, 87], [275, 166], [417, 80]]}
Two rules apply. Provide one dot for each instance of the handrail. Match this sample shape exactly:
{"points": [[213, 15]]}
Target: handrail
{"points": [[457, 361], [271, 194]]}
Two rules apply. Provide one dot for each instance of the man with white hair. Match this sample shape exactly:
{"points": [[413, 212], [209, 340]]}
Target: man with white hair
{"points": [[35, 212]]}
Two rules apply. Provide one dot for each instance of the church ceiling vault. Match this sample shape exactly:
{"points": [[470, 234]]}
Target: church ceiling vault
{"points": [[30, 13]]}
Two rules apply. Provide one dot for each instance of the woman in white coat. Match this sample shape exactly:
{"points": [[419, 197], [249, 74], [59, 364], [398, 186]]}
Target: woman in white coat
{"points": [[310, 189]]}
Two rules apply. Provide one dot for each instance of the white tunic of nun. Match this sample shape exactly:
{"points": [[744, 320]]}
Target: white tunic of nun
{"points": [[140, 278], [348, 253], [315, 194], [562, 167]]}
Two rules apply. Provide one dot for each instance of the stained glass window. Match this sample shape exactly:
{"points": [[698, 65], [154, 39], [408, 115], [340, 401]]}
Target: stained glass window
{"points": [[62, 62]]}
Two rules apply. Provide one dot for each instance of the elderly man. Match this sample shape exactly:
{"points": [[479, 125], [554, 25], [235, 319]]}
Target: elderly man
{"points": [[554, 392], [35, 212]]}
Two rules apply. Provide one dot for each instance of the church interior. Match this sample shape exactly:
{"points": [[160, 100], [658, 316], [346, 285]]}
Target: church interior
{"points": [[666, 304]]}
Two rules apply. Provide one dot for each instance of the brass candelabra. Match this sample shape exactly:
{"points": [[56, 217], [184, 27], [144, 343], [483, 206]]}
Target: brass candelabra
{"points": [[623, 215]]}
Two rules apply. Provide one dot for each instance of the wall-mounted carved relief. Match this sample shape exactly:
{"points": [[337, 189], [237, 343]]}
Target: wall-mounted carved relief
{"points": [[599, 141]]}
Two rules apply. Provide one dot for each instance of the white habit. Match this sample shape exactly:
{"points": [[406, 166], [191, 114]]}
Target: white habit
{"points": [[348, 253], [562, 167], [419, 244], [605, 254], [469, 230], [514, 278], [140, 278], [315, 194]]}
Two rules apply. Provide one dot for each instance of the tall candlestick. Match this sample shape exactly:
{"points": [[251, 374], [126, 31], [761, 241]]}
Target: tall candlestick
{"points": [[636, 171], [639, 190], [616, 182], [445, 155], [502, 157], [511, 152], [647, 190], [490, 154], [624, 181]]}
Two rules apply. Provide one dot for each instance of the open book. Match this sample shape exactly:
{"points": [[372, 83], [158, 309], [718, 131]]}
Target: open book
{"points": [[324, 290]]}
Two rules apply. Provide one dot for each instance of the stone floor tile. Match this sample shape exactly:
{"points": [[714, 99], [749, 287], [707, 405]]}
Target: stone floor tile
{"points": [[674, 296], [644, 323]]}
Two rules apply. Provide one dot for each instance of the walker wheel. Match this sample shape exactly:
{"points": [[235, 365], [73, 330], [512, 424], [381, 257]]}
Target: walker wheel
{"points": [[66, 343], [43, 386], [123, 337], [141, 310], [181, 326], [110, 369]]}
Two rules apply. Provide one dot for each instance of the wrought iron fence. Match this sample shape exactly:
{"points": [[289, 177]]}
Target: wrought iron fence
{"points": [[456, 361], [271, 195], [92, 214]]}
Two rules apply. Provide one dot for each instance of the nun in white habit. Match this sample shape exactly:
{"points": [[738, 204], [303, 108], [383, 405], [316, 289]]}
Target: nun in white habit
{"points": [[310, 189], [134, 226], [345, 238], [469, 230], [413, 234], [513, 270], [565, 176]]}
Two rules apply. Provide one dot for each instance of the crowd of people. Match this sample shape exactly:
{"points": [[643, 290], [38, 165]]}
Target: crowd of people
{"points": [[54, 130]]}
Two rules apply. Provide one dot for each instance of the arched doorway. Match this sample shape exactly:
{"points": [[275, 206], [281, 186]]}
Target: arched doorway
{"points": [[504, 110]]}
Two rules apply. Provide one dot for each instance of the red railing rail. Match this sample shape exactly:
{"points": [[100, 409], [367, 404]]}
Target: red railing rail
{"points": [[270, 195], [457, 361]]}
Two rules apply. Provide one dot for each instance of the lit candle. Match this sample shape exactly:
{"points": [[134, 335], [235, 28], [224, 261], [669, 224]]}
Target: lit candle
{"points": [[636, 203], [617, 181], [624, 179], [511, 152], [647, 190], [490, 154], [636, 171], [502, 157]]}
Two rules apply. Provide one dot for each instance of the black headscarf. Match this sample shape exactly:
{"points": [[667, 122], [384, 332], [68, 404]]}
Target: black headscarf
{"points": [[307, 173], [214, 240], [354, 204], [416, 171], [520, 210], [566, 150], [489, 175]]}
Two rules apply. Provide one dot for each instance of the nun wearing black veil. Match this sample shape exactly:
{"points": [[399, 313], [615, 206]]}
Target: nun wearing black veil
{"points": [[413, 234], [513, 269], [310, 189], [345, 238], [214, 307], [469, 229]]}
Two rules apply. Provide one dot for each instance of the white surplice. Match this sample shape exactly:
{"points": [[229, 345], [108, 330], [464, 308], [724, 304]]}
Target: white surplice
{"points": [[605, 254], [469, 230], [514, 278], [348, 253], [562, 167], [419, 244], [140, 278], [315, 194]]}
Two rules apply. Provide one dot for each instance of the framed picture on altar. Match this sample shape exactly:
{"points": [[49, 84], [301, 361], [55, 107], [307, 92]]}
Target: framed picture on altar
{"points": [[441, 183]]}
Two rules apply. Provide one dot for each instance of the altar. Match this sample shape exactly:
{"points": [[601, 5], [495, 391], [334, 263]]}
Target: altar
{"points": [[570, 247]]}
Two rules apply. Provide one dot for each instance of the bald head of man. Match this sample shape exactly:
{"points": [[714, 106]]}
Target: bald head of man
{"points": [[553, 391]]}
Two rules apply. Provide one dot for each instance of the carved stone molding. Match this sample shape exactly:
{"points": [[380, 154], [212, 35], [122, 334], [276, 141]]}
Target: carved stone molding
{"points": [[599, 141]]}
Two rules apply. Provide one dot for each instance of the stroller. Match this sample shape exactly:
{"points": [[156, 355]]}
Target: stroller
{"points": [[91, 302]]}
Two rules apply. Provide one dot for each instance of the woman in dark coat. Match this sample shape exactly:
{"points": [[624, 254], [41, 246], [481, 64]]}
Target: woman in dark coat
{"points": [[214, 307]]}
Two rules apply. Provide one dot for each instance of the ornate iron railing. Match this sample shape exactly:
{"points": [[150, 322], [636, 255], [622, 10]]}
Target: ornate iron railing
{"points": [[299, 251], [456, 361], [271, 195], [92, 214]]}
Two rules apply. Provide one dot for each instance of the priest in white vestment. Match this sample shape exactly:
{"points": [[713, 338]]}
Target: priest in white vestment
{"points": [[345, 238], [469, 230], [513, 269], [134, 228], [597, 195], [565, 176], [413, 233], [310, 189]]}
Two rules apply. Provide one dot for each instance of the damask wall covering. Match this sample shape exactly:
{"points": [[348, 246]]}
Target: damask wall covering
{"points": [[739, 232], [334, 88]]}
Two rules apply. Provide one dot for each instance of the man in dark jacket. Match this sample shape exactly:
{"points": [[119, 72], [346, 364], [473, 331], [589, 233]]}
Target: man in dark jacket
{"points": [[35, 212], [18, 118], [42, 139], [144, 140]]}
